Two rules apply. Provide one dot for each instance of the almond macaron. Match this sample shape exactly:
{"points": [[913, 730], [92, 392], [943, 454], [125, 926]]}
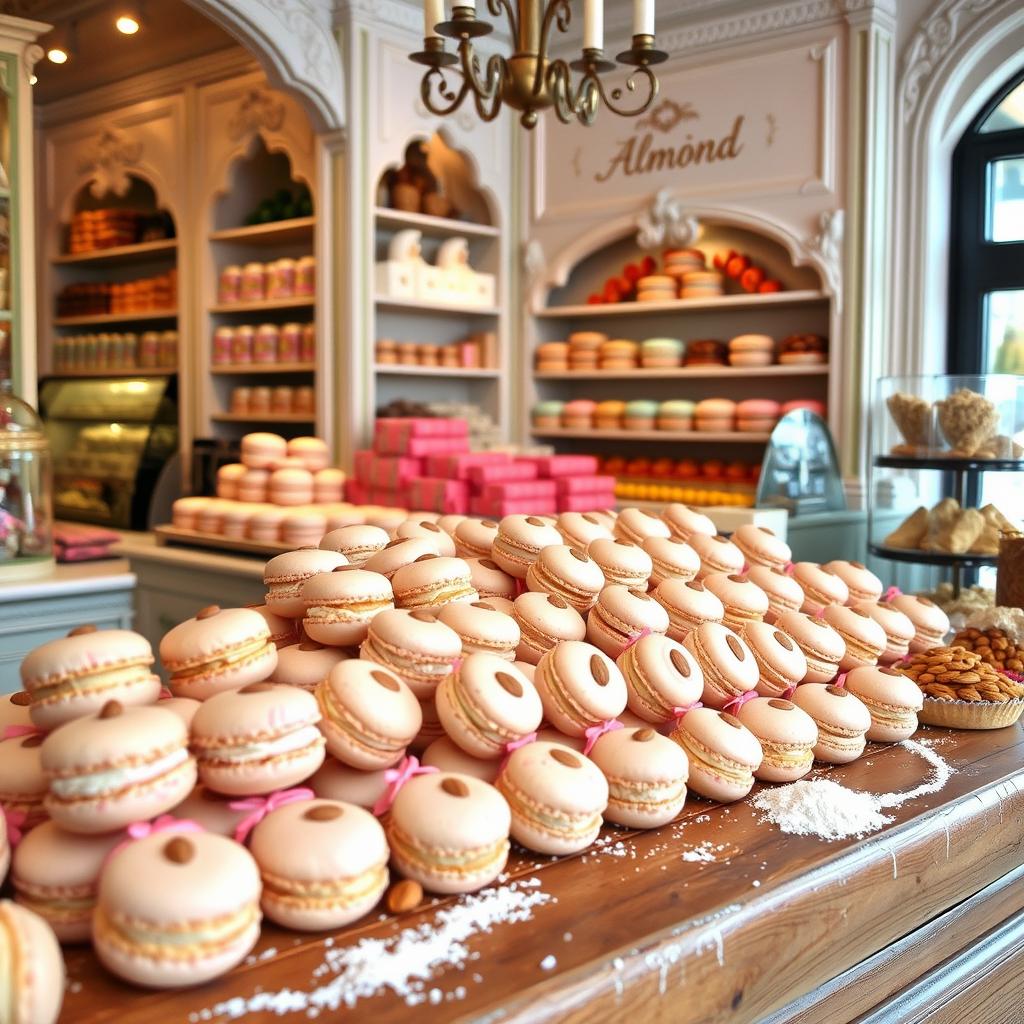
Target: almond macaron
{"points": [[432, 581], [573, 575], [822, 646], [662, 678], [784, 593], [841, 717], [414, 646], [258, 739], [931, 623], [723, 754], [861, 582], [474, 537], [621, 616], [116, 767], [446, 755], [323, 863], [671, 559], [865, 639], [760, 546], [285, 574], [340, 605], [726, 662], [397, 553], [219, 649], [688, 604], [899, 630], [637, 524], [821, 587], [545, 620], [787, 736], [742, 600], [449, 832], [490, 580], [14, 709], [482, 628], [335, 780], [578, 529], [23, 783], [892, 699], [580, 687], [357, 543], [622, 561], [684, 521], [421, 527], [76, 675], [304, 665], [717, 554], [34, 975], [781, 664], [519, 541]]}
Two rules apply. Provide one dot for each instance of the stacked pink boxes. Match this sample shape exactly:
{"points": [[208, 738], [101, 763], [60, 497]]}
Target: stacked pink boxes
{"points": [[426, 464]]}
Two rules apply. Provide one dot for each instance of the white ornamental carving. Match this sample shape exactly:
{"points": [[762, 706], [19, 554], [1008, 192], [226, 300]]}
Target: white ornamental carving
{"points": [[258, 110], [825, 248], [534, 261], [108, 161], [665, 223]]}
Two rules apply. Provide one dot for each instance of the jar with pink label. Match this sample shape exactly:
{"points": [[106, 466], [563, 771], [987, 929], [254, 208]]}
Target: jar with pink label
{"points": [[281, 279], [289, 345], [168, 350], [229, 288], [242, 344], [308, 343], [241, 400], [259, 401], [265, 346], [223, 344], [305, 399], [254, 282], [305, 276], [281, 399]]}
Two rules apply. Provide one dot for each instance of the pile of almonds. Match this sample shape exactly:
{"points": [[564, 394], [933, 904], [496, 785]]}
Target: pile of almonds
{"points": [[994, 648], [954, 673]]}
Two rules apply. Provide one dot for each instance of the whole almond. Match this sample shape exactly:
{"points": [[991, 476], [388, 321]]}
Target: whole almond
{"points": [[404, 896]]}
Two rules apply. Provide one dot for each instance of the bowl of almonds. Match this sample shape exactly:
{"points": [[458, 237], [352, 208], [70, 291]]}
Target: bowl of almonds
{"points": [[962, 690]]}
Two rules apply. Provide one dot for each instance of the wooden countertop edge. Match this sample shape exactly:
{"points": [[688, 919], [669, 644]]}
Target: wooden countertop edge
{"points": [[905, 866]]}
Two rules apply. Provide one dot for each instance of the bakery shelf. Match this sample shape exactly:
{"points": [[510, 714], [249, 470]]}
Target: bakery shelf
{"points": [[397, 370], [136, 371], [967, 560], [269, 417], [193, 538], [731, 436], [96, 319], [297, 229], [951, 464], [416, 306], [119, 254], [695, 372], [441, 227], [247, 368], [265, 305], [718, 302]]}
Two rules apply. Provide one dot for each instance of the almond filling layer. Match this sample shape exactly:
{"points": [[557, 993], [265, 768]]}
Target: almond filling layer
{"points": [[174, 943], [247, 652], [341, 720], [122, 675], [452, 862], [342, 891], [299, 738], [564, 826], [705, 758], [112, 780], [490, 731]]}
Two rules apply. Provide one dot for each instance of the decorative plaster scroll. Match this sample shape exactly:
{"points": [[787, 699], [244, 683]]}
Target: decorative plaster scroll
{"points": [[108, 161], [30, 58], [931, 43], [534, 262], [258, 109], [462, 119], [825, 248], [665, 223]]}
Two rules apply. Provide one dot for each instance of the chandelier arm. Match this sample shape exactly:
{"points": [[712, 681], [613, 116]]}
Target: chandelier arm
{"points": [[497, 6], [443, 90], [488, 87], [610, 98], [558, 80], [559, 11]]}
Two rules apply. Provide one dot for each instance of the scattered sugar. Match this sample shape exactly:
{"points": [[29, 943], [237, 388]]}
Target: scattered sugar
{"points": [[702, 854], [270, 951], [567, 937], [404, 963], [756, 883], [548, 963]]}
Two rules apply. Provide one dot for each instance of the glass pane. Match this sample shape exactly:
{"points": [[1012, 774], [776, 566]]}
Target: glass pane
{"points": [[1004, 332], [1006, 200], [1008, 115]]}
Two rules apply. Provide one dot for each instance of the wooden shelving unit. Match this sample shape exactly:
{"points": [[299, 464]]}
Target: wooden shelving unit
{"points": [[397, 370], [121, 254], [269, 418], [106, 319], [245, 369], [435, 308], [711, 437], [690, 372], [440, 227], [586, 311], [266, 305], [136, 372], [279, 232]]}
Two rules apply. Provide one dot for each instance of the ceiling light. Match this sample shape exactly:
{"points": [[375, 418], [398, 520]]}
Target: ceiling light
{"points": [[59, 47], [129, 18], [32, 79]]}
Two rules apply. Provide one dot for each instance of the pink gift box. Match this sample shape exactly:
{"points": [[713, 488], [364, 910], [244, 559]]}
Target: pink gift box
{"points": [[391, 435], [515, 490], [525, 506], [357, 492], [586, 502], [458, 467], [501, 472], [362, 462], [391, 472], [439, 495], [388, 497], [585, 485], [422, 447], [565, 465]]}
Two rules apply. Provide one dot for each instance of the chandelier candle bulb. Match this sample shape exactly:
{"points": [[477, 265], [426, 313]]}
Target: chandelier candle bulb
{"points": [[433, 14], [593, 25], [643, 17]]}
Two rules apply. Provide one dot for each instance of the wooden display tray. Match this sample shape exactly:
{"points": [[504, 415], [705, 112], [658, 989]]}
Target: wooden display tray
{"points": [[788, 928], [193, 538]]}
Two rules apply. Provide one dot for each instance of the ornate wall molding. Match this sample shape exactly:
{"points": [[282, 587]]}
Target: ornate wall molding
{"points": [[258, 109], [824, 248], [665, 222], [109, 161]]}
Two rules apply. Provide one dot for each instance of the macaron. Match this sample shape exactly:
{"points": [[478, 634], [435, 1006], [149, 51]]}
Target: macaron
{"points": [[931, 623], [671, 559], [482, 628], [219, 649], [727, 663], [861, 582], [865, 639], [676, 414], [414, 646], [449, 523], [821, 587], [760, 546], [715, 415], [184, 707], [449, 832], [487, 704], [580, 687], [328, 485], [306, 664], [545, 620], [571, 574], [519, 542], [430, 730], [14, 709], [608, 414], [369, 716], [335, 780], [687, 603], [716, 554], [822, 646], [637, 524], [784, 593], [899, 630], [356, 543], [215, 812], [787, 736], [261, 450], [892, 699], [446, 755], [684, 521], [34, 968], [621, 616], [258, 739], [75, 675], [557, 798], [751, 350], [578, 529], [432, 581], [196, 916], [282, 631], [841, 718], [340, 604], [646, 775], [548, 415], [781, 664], [742, 600], [621, 561], [303, 528], [312, 451], [662, 677], [56, 875], [290, 487], [474, 537], [656, 353], [23, 783], [323, 863], [397, 553], [121, 765], [757, 415], [265, 525], [284, 575], [425, 529], [723, 754], [491, 581]]}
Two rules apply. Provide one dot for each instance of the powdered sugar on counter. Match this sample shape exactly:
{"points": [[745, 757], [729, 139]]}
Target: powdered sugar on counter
{"points": [[405, 964], [704, 853]]}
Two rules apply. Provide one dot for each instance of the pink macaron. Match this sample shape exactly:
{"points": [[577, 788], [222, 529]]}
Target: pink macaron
{"points": [[33, 994], [482, 628], [637, 524], [414, 646], [519, 541], [760, 546], [282, 631], [290, 487], [491, 581], [578, 529], [727, 663], [684, 521], [621, 561], [258, 739], [474, 537], [335, 780], [688, 604], [742, 600], [312, 451], [573, 575], [356, 543], [580, 687], [865, 639], [893, 700], [821, 587], [861, 582], [215, 812], [822, 647], [899, 630], [662, 678], [23, 783], [784, 593], [544, 620], [341, 604], [621, 616], [671, 559], [14, 709], [261, 450], [787, 736], [397, 553], [723, 754], [781, 664], [931, 623], [841, 718], [116, 767], [717, 554], [446, 755], [432, 581], [184, 707], [425, 529], [285, 574], [757, 415]]}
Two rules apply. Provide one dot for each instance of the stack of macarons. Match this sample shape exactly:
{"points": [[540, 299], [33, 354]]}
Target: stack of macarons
{"points": [[552, 357], [803, 350], [702, 284], [678, 263], [751, 350], [585, 348], [657, 288], [618, 354], [661, 353]]}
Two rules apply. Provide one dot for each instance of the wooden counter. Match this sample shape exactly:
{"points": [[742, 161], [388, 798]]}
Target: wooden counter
{"points": [[781, 928]]}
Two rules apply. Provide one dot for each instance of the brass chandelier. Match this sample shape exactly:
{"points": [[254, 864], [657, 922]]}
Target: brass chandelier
{"points": [[529, 80]]}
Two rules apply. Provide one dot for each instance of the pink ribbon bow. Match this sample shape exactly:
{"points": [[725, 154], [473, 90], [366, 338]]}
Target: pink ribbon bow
{"points": [[788, 692], [165, 694], [260, 806], [820, 613], [396, 778], [635, 640], [13, 731], [891, 593], [456, 665], [840, 680], [684, 709], [788, 568], [142, 829], [1015, 676], [15, 821], [595, 732], [513, 745], [737, 702]]}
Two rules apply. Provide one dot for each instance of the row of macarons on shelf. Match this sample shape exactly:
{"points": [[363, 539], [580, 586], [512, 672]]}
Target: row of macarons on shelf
{"points": [[525, 661], [712, 415], [594, 350]]}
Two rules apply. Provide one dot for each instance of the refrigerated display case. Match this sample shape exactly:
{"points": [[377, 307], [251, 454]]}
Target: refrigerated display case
{"points": [[111, 438]]}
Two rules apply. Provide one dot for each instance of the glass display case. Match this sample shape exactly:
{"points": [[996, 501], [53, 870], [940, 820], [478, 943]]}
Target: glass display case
{"points": [[111, 438], [800, 472], [946, 451]]}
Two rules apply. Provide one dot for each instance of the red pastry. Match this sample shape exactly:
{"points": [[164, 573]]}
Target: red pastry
{"points": [[769, 285], [751, 279], [735, 267]]}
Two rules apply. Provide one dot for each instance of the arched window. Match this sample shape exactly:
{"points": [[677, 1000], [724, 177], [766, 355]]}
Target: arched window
{"points": [[986, 266]]}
